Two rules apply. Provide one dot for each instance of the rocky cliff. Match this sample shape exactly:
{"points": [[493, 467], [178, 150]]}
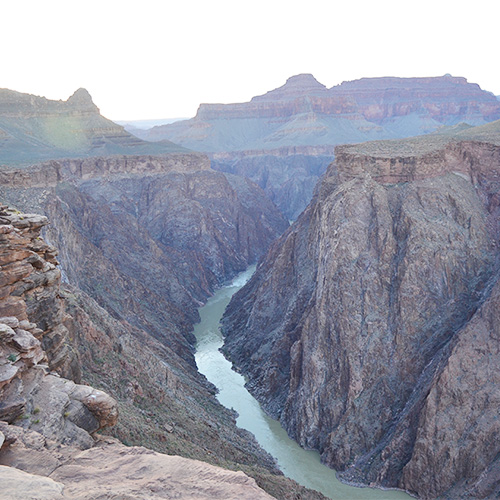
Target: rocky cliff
{"points": [[143, 241], [30, 290], [32, 317], [369, 329], [48, 446], [148, 237], [184, 227], [284, 139], [34, 128]]}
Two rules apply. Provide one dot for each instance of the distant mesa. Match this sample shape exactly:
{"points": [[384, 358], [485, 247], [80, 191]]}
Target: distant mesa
{"points": [[34, 128], [284, 139], [354, 111], [295, 86]]}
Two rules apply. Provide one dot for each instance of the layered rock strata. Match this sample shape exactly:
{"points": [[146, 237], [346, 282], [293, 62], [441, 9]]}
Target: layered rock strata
{"points": [[34, 128], [284, 139], [365, 327], [32, 316], [368, 106], [29, 292], [287, 175]]}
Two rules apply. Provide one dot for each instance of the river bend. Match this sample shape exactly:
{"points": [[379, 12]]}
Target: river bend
{"points": [[301, 465]]}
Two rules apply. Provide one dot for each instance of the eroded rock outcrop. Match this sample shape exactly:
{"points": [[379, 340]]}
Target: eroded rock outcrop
{"points": [[456, 445], [29, 293], [31, 317], [287, 175], [365, 327]]}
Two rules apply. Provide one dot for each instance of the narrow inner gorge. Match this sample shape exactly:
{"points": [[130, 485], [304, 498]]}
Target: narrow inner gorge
{"points": [[296, 463]]}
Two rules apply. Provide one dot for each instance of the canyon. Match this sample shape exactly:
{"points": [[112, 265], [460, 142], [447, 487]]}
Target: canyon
{"points": [[370, 328], [143, 239], [284, 140], [49, 448]]}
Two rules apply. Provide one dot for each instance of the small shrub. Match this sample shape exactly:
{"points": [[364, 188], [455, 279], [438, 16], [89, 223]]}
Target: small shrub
{"points": [[12, 357]]}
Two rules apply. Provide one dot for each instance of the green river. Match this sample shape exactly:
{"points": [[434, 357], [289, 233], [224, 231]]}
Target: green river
{"points": [[301, 465]]}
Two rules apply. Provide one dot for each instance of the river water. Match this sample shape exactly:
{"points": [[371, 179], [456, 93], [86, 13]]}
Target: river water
{"points": [[301, 465]]}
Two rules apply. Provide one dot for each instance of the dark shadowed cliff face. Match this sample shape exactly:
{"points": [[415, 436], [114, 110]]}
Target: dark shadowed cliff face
{"points": [[287, 175], [148, 237], [361, 329], [456, 442]]}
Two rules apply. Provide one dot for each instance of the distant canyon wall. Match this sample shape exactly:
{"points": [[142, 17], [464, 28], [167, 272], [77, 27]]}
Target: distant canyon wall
{"points": [[375, 99], [284, 139], [287, 175]]}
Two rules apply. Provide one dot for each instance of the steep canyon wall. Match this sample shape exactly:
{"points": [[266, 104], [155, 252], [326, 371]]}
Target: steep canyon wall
{"points": [[369, 328]]}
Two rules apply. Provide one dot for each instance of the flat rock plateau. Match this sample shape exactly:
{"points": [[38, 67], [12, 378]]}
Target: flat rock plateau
{"points": [[371, 327]]}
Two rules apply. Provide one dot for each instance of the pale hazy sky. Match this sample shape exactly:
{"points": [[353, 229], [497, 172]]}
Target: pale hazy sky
{"points": [[146, 59]]}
